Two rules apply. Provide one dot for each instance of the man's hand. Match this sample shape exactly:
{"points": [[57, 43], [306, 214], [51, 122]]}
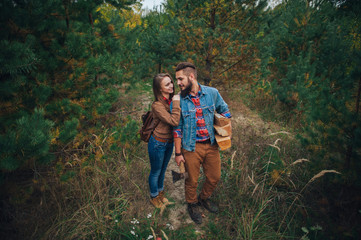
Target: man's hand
{"points": [[179, 159]]}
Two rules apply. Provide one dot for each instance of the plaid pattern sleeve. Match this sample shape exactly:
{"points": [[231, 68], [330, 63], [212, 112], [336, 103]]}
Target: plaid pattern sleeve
{"points": [[177, 133], [226, 114]]}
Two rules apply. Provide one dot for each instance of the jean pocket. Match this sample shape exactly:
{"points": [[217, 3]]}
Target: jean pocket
{"points": [[159, 145]]}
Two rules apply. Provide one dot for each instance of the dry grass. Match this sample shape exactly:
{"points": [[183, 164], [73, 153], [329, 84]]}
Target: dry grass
{"points": [[263, 181]]}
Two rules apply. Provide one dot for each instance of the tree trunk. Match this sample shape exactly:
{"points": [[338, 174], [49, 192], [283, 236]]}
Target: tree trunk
{"points": [[91, 19], [159, 67], [350, 146], [66, 7], [209, 58]]}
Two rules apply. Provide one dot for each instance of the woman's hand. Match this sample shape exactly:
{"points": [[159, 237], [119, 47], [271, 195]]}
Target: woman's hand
{"points": [[176, 97]]}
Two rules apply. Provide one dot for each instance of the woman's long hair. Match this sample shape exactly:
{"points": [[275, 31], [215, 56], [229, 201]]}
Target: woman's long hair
{"points": [[156, 86]]}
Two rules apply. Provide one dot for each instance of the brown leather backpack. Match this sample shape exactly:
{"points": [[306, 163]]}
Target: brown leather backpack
{"points": [[149, 124]]}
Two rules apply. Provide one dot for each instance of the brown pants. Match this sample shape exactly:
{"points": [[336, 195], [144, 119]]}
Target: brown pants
{"points": [[206, 155]]}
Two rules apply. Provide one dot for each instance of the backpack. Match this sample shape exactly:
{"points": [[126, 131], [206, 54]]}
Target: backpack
{"points": [[149, 124]]}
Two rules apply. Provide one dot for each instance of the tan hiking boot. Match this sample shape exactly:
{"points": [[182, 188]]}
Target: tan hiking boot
{"points": [[157, 202], [162, 198]]}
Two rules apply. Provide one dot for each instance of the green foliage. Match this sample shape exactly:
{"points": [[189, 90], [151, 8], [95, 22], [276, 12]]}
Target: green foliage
{"points": [[159, 40], [65, 65], [307, 58], [28, 139], [16, 58], [217, 37], [69, 131], [126, 133]]}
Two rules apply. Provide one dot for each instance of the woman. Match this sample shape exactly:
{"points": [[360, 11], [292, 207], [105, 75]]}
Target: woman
{"points": [[160, 145]]}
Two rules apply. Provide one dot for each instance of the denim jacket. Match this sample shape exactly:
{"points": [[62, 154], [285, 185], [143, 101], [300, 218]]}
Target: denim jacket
{"points": [[210, 101]]}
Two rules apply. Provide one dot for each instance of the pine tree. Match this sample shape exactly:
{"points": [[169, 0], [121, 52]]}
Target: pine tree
{"points": [[158, 40], [58, 69], [216, 36], [309, 59]]}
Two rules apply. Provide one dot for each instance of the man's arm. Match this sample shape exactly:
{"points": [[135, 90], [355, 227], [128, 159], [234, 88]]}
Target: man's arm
{"points": [[178, 134], [178, 146], [221, 106]]}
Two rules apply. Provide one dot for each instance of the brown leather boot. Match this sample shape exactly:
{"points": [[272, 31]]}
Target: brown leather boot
{"points": [[162, 198], [207, 204], [157, 202]]}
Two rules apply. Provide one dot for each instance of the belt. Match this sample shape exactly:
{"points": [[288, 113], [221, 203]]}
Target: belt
{"points": [[163, 140], [208, 141]]}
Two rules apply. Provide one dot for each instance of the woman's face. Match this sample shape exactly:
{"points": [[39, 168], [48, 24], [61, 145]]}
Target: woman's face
{"points": [[166, 86]]}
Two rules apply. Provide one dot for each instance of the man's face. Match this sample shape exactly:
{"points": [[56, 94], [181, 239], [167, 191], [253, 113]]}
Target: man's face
{"points": [[182, 80], [184, 83]]}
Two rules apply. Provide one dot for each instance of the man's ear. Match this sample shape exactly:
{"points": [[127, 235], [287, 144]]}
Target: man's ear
{"points": [[191, 77]]}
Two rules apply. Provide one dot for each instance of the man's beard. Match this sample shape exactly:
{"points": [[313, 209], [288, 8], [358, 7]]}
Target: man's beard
{"points": [[185, 92]]}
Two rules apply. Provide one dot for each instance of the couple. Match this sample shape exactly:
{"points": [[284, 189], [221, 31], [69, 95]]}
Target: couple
{"points": [[188, 121]]}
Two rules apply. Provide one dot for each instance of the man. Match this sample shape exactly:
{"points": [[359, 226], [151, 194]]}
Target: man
{"points": [[194, 139]]}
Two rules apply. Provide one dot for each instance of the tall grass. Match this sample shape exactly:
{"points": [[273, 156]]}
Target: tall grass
{"points": [[262, 196], [264, 177], [89, 203]]}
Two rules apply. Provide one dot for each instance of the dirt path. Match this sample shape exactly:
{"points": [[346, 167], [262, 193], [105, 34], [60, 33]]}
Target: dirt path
{"points": [[178, 215], [250, 124], [247, 123]]}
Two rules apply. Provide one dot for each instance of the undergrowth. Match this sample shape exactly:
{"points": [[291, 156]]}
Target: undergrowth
{"points": [[98, 188]]}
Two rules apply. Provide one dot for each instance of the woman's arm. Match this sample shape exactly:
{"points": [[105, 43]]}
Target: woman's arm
{"points": [[170, 118]]}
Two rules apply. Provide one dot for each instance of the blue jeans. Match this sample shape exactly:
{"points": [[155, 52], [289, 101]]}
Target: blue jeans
{"points": [[159, 156]]}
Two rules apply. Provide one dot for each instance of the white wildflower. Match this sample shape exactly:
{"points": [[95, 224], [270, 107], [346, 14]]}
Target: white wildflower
{"points": [[132, 232], [149, 216], [170, 226], [135, 221], [116, 220], [150, 237]]}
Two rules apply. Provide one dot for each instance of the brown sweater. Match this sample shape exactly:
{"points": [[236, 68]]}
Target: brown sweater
{"points": [[161, 110]]}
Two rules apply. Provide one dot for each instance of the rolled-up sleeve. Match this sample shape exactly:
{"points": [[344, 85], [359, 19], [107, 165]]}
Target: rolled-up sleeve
{"points": [[177, 130], [222, 107], [226, 114]]}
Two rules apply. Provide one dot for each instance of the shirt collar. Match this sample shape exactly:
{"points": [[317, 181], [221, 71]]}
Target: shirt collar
{"points": [[198, 93], [168, 101]]}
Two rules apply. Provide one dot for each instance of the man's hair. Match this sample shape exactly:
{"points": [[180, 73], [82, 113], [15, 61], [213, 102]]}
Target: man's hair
{"points": [[187, 68], [156, 85]]}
